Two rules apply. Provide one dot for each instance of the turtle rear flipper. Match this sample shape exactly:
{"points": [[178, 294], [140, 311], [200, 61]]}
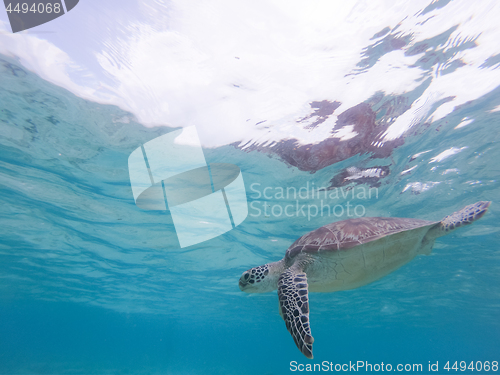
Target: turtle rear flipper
{"points": [[465, 216], [294, 308]]}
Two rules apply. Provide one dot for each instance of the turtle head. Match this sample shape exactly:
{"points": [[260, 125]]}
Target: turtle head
{"points": [[261, 279]]}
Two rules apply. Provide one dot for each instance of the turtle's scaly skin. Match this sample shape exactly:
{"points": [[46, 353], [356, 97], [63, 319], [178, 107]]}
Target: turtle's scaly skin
{"points": [[346, 255]]}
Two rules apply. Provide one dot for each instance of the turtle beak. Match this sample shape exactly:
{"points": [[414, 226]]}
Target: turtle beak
{"points": [[241, 285]]}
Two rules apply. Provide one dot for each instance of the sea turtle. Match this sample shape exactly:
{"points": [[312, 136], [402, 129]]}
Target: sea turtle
{"points": [[346, 255]]}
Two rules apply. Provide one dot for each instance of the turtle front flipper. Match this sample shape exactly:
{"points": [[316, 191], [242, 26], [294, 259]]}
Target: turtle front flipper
{"points": [[294, 308]]}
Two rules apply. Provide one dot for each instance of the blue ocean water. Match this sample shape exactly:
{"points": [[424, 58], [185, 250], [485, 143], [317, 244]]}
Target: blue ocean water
{"points": [[92, 284]]}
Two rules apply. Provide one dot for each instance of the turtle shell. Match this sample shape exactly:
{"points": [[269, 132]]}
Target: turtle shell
{"points": [[346, 234]]}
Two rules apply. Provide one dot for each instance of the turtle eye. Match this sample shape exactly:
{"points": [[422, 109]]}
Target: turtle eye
{"points": [[246, 276]]}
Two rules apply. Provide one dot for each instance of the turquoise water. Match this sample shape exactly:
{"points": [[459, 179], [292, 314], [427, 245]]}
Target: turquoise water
{"points": [[92, 284]]}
